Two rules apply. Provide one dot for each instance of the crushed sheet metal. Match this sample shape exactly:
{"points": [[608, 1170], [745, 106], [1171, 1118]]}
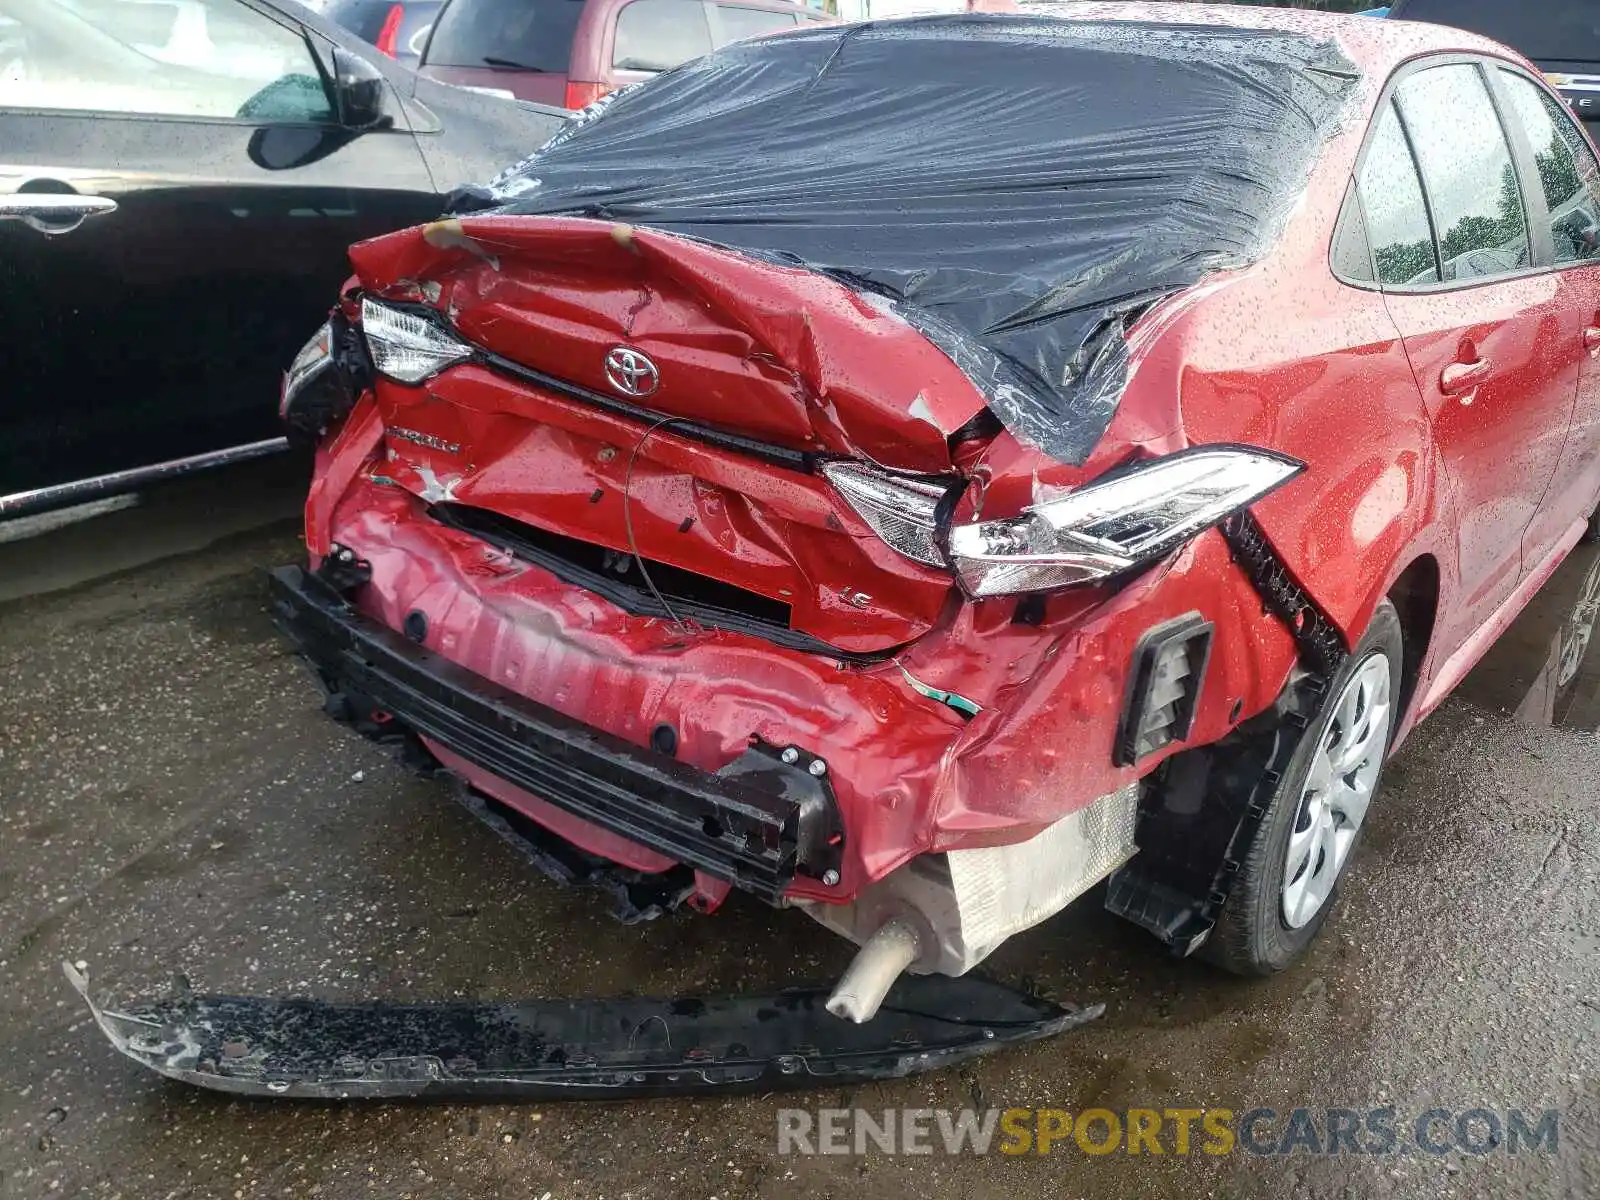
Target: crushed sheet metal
{"points": [[1018, 186], [568, 1049]]}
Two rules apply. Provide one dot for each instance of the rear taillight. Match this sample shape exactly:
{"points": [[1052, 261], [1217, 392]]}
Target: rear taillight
{"points": [[409, 345], [581, 95], [1114, 524], [389, 36], [1132, 517], [903, 510]]}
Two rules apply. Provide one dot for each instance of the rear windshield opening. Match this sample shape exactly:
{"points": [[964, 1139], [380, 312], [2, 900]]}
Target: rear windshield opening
{"points": [[528, 35]]}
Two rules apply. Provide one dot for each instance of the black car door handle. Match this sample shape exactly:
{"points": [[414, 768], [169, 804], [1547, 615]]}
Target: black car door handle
{"points": [[51, 213]]}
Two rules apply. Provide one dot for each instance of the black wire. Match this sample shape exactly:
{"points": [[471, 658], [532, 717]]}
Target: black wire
{"points": [[684, 627]]}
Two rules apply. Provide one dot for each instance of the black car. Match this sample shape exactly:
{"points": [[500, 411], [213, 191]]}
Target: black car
{"points": [[179, 182], [1562, 37]]}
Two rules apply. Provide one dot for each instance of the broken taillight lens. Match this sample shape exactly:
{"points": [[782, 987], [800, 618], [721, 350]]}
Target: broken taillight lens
{"points": [[315, 357], [407, 346], [901, 509], [1134, 517]]}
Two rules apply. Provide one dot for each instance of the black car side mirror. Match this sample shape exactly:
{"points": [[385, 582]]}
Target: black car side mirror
{"points": [[358, 89]]}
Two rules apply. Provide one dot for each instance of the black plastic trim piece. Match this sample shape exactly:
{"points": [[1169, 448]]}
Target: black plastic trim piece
{"points": [[635, 895], [755, 824], [1322, 646], [590, 1049], [1199, 812], [1190, 627], [1201, 808]]}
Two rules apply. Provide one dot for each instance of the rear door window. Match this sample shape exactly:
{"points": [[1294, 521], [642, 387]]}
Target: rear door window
{"points": [[733, 23], [1396, 214], [528, 35], [1467, 172], [1568, 173], [657, 35]]}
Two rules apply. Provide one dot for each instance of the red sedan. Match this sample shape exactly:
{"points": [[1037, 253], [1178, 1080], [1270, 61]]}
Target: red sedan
{"points": [[913, 472]]}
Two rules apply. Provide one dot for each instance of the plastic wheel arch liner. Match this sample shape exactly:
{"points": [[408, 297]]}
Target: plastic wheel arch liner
{"points": [[1017, 187]]}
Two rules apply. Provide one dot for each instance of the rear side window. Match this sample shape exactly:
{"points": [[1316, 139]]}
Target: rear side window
{"points": [[1467, 172], [1352, 256], [735, 23], [529, 35], [657, 35], [1568, 173], [1397, 215]]}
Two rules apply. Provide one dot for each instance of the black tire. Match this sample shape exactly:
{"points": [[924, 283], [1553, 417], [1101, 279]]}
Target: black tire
{"points": [[1592, 533], [1251, 936]]}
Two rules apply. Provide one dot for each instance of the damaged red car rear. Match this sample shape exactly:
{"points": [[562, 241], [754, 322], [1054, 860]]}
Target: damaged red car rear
{"points": [[914, 472]]}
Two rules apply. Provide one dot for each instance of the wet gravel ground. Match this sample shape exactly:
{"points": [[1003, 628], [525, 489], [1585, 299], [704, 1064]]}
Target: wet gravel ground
{"points": [[171, 798]]}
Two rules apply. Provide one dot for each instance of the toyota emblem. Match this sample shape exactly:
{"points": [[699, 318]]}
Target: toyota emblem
{"points": [[631, 373]]}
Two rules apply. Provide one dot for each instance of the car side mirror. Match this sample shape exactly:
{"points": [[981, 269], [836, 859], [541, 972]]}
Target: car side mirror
{"points": [[358, 89]]}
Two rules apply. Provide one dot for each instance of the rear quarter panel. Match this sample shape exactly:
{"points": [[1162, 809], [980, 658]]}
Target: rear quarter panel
{"points": [[1286, 356]]}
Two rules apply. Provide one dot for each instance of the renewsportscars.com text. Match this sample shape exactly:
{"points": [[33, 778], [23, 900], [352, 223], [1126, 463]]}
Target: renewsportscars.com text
{"points": [[1214, 1131]]}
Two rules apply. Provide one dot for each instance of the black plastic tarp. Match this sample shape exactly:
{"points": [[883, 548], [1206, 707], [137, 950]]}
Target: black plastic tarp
{"points": [[1017, 185]]}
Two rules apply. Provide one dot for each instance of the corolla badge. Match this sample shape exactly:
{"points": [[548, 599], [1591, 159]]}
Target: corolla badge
{"points": [[630, 372], [417, 437]]}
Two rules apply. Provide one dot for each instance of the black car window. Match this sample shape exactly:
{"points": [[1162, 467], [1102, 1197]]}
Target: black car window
{"points": [[657, 35], [406, 23], [735, 23], [364, 18], [1396, 214], [175, 58], [1552, 29], [530, 35], [1568, 173], [1467, 172]]}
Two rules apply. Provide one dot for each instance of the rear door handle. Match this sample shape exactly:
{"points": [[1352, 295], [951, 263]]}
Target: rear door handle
{"points": [[1461, 377], [52, 213], [1591, 339]]}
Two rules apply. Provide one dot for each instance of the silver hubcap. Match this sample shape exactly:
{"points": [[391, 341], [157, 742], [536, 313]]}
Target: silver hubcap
{"points": [[1338, 791]]}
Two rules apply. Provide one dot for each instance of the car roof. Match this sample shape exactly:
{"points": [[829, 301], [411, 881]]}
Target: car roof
{"points": [[1376, 45]]}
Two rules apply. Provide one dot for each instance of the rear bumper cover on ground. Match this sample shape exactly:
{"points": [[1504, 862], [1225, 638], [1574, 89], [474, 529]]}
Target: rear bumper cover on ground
{"points": [[568, 1049], [754, 823]]}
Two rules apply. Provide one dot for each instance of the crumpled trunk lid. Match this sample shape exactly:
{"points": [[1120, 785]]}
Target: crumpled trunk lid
{"points": [[640, 396]]}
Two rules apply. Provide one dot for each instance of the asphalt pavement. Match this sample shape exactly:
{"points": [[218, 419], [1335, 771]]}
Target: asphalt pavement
{"points": [[173, 799]]}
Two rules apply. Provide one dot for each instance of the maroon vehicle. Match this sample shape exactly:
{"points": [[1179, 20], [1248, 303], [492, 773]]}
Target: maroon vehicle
{"points": [[572, 52], [854, 470]]}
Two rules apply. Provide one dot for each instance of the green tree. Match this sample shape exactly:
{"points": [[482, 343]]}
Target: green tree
{"points": [[1558, 173]]}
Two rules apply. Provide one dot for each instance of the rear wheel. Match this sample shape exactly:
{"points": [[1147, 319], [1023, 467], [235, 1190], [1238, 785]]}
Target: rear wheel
{"points": [[1289, 876], [1592, 533]]}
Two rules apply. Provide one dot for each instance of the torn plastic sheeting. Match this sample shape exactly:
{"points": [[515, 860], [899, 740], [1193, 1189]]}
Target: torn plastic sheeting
{"points": [[1019, 186]]}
